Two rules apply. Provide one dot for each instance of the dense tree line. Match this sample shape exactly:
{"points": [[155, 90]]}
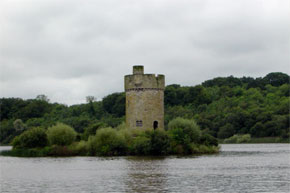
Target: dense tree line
{"points": [[222, 107]]}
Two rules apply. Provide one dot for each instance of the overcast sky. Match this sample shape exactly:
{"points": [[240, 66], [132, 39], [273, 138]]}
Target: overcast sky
{"points": [[69, 49]]}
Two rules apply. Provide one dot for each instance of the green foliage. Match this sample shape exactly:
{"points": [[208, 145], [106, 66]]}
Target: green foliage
{"points": [[78, 123], [115, 104], [223, 106], [61, 134], [107, 142], [42, 97], [34, 137], [226, 131], [7, 131], [276, 79], [141, 145], [91, 129], [238, 139], [34, 152], [155, 142], [208, 140], [189, 129], [160, 142], [184, 134]]}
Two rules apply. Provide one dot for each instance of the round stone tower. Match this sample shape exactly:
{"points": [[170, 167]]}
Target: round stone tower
{"points": [[144, 100]]}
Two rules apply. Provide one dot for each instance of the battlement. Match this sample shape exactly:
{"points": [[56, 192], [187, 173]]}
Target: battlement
{"points": [[139, 81], [144, 100], [138, 69]]}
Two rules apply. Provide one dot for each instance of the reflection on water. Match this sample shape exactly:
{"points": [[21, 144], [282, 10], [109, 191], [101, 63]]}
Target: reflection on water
{"points": [[146, 174], [238, 168]]}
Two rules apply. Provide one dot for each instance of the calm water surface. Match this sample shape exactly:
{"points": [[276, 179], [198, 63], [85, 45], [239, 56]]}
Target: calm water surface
{"points": [[238, 168]]}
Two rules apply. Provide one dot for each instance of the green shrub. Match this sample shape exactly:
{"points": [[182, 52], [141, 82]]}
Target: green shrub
{"points": [[107, 142], [65, 151], [180, 142], [34, 137], [202, 149], [238, 139], [232, 139], [189, 128], [128, 135], [183, 133], [35, 152], [79, 148], [244, 138], [207, 139], [61, 134], [150, 142], [160, 142], [91, 129], [141, 145]]}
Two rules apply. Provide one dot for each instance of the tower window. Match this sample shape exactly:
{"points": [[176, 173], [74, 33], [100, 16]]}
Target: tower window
{"points": [[155, 125], [139, 123]]}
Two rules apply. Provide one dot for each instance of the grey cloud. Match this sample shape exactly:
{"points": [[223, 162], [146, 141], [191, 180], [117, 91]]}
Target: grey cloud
{"points": [[71, 49]]}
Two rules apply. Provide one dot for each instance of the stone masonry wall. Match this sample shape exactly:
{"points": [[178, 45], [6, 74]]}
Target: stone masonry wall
{"points": [[144, 99]]}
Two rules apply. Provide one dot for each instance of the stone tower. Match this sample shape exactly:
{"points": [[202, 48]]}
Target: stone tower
{"points": [[144, 100]]}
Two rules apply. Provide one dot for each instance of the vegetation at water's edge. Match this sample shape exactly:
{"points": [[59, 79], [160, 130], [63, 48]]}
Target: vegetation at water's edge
{"points": [[222, 107], [182, 138], [246, 138]]}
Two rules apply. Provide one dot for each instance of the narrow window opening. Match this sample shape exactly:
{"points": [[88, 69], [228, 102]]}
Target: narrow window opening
{"points": [[155, 125], [139, 123]]}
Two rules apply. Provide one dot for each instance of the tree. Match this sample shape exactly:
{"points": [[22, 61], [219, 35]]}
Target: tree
{"points": [[226, 131], [189, 127], [61, 134], [42, 97], [276, 79], [107, 142], [32, 138], [115, 104], [90, 99]]}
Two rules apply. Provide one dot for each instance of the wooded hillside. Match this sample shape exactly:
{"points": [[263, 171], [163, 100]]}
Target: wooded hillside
{"points": [[222, 107]]}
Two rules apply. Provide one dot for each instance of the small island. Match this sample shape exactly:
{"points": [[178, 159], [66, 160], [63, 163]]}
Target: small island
{"points": [[142, 134], [183, 138], [151, 119]]}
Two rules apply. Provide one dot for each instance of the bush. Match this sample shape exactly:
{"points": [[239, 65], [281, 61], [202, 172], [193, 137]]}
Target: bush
{"points": [[61, 134], [91, 129], [189, 128], [232, 139], [244, 138], [35, 152], [57, 150], [238, 139], [141, 146], [183, 133], [79, 148], [201, 149], [209, 140], [34, 137], [159, 142], [107, 142], [150, 142], [180, 142]]}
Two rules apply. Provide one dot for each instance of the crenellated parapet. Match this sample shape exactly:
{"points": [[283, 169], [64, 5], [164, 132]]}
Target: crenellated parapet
{"points": [[139, 81], [144, 100]]}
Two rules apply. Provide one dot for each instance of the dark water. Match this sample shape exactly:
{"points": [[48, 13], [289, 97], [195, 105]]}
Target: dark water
{"points": [[238, 168]]}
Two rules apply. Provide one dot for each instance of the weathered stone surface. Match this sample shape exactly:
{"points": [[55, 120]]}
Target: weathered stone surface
{"points": [[144, 99]]}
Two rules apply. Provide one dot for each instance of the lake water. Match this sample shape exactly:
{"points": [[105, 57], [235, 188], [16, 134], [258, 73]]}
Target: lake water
{"points": [[238, 168]]}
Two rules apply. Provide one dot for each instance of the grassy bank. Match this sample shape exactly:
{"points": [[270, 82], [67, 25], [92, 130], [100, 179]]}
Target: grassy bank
{"points": [[75, 150], [255, 140]]}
